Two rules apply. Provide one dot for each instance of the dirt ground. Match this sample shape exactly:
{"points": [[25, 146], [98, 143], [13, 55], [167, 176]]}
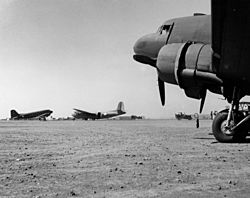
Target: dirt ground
{"points": [[148, 158]]}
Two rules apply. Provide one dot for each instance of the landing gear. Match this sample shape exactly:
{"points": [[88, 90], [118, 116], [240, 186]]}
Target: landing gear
{"points": [[226, 133], [232, 125]]}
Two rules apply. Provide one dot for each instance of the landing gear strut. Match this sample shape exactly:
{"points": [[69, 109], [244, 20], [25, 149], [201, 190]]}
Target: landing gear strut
{"points": [[232, 125]]}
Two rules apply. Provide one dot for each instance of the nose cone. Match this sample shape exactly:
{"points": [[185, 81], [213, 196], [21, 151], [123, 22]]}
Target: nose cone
{"points": [[149, 45]]}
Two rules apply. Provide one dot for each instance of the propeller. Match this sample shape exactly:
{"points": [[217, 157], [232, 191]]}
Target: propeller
{"points": [[161, 90], [203, 97], [152, 62]]}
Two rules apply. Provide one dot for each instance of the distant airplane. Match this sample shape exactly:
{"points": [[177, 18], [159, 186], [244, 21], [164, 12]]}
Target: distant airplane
{"points": [[203, 52], [80, 114], [37, 115]]}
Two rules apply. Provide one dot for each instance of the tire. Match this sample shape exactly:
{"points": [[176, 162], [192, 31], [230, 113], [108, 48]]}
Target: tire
{"points": [[217, 127], [219, 130]]}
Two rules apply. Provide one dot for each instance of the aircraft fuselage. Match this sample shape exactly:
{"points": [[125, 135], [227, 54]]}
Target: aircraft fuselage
{"points": [[32, 115], [196, 29]]}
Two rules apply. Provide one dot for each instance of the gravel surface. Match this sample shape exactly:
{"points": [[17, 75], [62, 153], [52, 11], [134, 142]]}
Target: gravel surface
{"points": [[144, 158]]}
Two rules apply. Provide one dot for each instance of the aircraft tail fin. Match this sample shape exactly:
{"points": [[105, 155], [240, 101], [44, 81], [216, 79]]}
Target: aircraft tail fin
{"points": [[13, 114], [120, 107]]}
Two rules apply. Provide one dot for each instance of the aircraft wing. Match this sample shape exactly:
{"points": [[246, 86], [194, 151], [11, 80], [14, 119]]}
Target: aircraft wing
{"points": [[231, 39], [41, 116], [85, 113]]}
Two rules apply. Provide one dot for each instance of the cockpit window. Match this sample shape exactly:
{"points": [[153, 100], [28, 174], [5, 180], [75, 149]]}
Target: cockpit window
{"points": [[164, 29]]}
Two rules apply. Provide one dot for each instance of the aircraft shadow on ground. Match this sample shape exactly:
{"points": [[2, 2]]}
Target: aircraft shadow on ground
{"points": [[247, 140], [204, 138]]}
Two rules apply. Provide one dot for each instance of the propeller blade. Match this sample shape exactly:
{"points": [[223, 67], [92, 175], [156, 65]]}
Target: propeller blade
{"points": [[161, 90], [203, 97]]}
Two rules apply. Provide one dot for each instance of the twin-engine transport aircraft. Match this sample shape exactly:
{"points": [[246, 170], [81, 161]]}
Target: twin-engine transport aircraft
{"points": [[79, 114], [204, 52], [37, 115]]}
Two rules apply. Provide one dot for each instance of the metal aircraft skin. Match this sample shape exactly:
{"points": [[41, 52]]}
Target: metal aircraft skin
{"points": [[80, 114], [37, 115], [204, 52]]}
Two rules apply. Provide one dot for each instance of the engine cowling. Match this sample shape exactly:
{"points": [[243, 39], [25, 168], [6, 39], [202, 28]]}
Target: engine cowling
{"points": [[189, 66], [166, 62]]}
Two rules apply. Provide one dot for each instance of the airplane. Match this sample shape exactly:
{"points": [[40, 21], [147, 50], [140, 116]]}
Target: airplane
{"points": [[206, 52], [37, 115], [80, 114]]}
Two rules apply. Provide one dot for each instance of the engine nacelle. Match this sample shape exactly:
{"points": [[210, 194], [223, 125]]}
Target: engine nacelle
{"points": [[188, 65], [166, 62]]}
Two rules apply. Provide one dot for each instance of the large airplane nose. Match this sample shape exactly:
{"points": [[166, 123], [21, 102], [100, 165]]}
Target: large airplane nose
{"points": [[139, 45], [149, 45]]}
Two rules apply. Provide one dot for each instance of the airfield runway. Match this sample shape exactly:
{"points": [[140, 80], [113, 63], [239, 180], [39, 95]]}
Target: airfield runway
{"points": [[144, 158]]}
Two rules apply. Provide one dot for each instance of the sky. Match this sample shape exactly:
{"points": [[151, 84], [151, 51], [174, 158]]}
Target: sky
{"points": [[65, 54]]}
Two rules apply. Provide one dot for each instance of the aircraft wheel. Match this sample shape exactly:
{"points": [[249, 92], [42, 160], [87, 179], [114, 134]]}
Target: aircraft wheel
{"points": [[219, 128], [221, 133]]}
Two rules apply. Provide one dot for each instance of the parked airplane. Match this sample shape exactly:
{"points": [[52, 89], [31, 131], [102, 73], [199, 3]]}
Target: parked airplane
{"points": [[80, 114], [37, 115], [201, 53]]}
